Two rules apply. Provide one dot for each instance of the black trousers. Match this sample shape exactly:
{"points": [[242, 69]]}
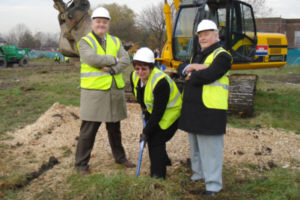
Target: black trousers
{"points": [[88, 131], [159, 158]]}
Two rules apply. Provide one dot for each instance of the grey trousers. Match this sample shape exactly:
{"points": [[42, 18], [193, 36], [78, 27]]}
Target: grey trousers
{"points": [[88, 131], [207, 159]]}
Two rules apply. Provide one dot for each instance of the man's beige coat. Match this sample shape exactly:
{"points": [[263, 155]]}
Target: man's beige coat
{"points": [[103, 105]]}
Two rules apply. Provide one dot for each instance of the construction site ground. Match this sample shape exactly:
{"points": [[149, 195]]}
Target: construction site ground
{"points": [[55, 132]]}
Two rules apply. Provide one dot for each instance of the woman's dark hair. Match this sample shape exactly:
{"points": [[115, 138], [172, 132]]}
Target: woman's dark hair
{"points": [[150, 65]]}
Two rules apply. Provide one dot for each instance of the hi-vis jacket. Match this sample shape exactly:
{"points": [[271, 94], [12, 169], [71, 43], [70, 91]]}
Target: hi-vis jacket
{"points": [[172, 111], [94, 78], [102, 105], [215, 95]]}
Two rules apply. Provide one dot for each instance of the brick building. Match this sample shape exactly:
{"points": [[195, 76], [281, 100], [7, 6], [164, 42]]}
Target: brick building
{"points": [[289, 27]]}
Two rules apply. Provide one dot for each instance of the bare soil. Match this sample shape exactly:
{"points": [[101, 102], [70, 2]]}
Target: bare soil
{"points": [[55, 132]]}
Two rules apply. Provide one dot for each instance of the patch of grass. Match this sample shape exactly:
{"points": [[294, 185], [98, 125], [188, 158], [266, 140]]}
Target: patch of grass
{"points": [[282, 106], [277, 183], [66, 151], [9, 194], [286, 70], [14, 181], [47, 194], [276, 104], [23, 101], [43, 59], [121, 187]]}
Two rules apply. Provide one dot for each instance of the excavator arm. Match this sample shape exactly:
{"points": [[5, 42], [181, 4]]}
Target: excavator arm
{"points": [[167, 53], [74, 20]]}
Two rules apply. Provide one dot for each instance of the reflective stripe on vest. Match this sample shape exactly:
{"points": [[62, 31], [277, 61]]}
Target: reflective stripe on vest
{"points": [[94, 78], [172, 111], [135, 80], [215, 95]]}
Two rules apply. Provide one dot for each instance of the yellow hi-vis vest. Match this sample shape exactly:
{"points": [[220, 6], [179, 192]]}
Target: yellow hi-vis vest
{"points": [[94, 78], [173, 108], [215, 95]]}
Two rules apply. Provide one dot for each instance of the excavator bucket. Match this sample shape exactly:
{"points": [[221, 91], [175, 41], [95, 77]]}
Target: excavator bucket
{"points": [[74, 20]]}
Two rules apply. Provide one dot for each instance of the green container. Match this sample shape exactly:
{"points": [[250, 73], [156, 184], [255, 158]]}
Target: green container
{"points": [[13, 54]]}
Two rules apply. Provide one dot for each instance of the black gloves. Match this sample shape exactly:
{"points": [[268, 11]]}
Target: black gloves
{"points": [[143, 137]]}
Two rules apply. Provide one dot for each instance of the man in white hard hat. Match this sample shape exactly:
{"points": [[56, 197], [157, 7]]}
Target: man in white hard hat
{"points": [[160, 101], [103, 59], [205, 101]]}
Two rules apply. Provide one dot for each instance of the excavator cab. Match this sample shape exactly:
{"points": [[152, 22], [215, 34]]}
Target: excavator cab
{"points": [[235, 20]]}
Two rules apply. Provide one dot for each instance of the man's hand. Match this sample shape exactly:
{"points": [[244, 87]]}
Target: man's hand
{"points": [[195, 67], [105, 69], [188, 76]]}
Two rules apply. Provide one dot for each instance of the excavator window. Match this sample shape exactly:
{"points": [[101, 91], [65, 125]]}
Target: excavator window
{"points": [[242, 32], [235, 21], [183, 34]]}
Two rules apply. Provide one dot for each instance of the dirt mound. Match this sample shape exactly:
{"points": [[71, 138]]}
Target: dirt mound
{"points": [[55, 132]]}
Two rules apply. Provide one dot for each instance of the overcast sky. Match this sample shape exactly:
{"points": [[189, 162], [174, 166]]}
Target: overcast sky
{"points": [[39, 15]]}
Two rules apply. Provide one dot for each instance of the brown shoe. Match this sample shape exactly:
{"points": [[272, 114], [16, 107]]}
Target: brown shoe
{"points": [[84, 172], [128, 164]]}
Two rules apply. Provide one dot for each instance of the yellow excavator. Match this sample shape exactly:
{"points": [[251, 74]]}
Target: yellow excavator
{"points": [[237, 29], [238, 35]]}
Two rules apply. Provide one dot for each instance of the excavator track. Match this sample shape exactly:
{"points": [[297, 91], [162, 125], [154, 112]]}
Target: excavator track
{"points": [[242, 90]]}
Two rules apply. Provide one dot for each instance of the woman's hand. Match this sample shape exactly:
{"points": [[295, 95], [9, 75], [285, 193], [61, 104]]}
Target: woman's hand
{"points": [[143, 137]]}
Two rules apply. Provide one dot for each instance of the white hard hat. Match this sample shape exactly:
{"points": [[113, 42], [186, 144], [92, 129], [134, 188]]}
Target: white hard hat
{"points": [[205, 25], [144, 54], [101, 12]]}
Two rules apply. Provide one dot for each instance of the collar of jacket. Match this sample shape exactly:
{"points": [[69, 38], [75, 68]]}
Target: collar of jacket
{"points": [[210, 49], [100, 40]]}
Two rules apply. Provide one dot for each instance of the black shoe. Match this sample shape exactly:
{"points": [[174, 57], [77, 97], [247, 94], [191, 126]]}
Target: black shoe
{"points": [[196, 191], [84, 172], [209, 193], [168, 162], [128, 164]]}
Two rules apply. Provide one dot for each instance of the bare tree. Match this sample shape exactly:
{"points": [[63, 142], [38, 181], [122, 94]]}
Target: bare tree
{"points": [[21, 29], [21, 36], [152, 21], [1, 38], [46, 39], [26, 40], [260, 8], [42, 37], [51, 42], [13, 36], [122, 22]]}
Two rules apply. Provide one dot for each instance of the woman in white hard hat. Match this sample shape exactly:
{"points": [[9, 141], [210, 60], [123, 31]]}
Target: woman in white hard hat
{"points": [[161, 102]]}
